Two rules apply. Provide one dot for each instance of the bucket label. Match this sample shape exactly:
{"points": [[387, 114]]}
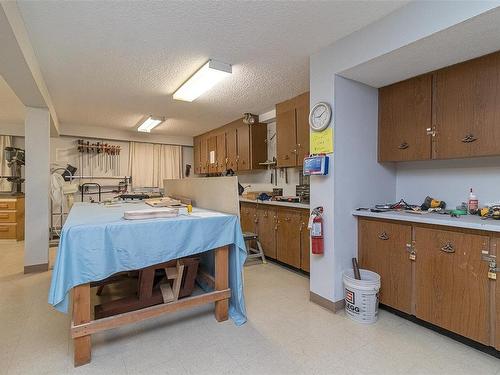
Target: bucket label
{"points": [[349, 296]]}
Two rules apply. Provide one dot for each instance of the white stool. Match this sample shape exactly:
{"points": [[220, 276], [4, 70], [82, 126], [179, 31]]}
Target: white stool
{"points": [[254, 253]]}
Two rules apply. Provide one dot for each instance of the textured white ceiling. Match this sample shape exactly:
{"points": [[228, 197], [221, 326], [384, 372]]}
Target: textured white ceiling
{"points": [[11, 108], [475, 37], [109, 63]]}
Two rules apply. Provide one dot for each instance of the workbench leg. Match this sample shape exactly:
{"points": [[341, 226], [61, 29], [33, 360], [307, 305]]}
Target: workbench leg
{"points": [[221, 281], [81, 314]]}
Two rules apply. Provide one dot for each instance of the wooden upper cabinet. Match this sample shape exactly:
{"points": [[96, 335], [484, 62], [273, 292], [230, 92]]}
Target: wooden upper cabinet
{"points": [[221, 152], [231, 149], [452, 282], [286, 135], [243, 137], [302, 113], [235, 146], [467, 108], [204, 154], [405, 114], [196, 155], [382, 248], [212, 154], [292, 131]]}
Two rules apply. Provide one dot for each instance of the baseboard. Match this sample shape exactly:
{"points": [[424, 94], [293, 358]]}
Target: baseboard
{"points": [[326, 303], [36, 268]]}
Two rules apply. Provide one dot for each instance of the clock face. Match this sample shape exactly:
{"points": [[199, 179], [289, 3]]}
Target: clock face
{"points": [[320, 116]]}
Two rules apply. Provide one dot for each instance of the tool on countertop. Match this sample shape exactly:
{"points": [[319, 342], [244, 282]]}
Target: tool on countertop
{"points": [[432, 203]]}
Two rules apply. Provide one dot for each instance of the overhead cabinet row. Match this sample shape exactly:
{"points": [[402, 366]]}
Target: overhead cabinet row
{"points": [[235, 146], [451, 113], [243, 147]]}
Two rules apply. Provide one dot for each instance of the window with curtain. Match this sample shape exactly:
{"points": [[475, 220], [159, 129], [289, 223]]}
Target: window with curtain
{"points": [[150, 164], [5, 141]]}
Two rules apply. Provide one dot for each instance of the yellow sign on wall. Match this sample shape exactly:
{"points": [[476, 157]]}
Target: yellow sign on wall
{"points": [[322, 142]]}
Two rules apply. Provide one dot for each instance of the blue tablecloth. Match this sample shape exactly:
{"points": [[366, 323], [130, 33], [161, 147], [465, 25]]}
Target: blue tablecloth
{"points": [[97, 242]]}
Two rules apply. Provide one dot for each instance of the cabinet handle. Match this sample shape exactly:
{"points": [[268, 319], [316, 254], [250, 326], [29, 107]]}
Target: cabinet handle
{"points": [[448, 248], [265, 214], [469, 138], [403, 146], [431, 131], [287, 219], [383, 236]]}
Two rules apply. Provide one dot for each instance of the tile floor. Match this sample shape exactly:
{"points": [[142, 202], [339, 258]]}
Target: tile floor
{"points": [[285, 334]]}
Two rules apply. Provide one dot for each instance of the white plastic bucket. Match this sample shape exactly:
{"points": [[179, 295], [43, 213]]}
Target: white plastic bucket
{"points": [[361, 296]]}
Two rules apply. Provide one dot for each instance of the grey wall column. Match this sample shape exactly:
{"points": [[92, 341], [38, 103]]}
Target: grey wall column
{"points": [[37, 146]]}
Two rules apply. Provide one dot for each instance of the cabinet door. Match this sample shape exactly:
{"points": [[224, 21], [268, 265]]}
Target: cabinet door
{"points": [[196, 155], [288, 237], [221, 152], [405, 113], [248, 217], [286, 136], [452, 282], [302, 113], [305, 251], [212, 154], [382, 249], [231, 149], [467, 108], [243, 137], [266, 226], [203, 154]]}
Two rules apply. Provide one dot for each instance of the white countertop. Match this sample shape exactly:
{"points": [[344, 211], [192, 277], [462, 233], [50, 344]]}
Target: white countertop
{"points": [[275, 203], [467, 221]]}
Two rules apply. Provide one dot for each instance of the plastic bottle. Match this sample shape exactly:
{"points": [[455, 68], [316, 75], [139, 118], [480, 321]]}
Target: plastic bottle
{"points": [[473, 203]]}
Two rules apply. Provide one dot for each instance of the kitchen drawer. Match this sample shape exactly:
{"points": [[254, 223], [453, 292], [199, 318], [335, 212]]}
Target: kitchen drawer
{"points": [[8, 216], [8, 231], [7, 205]]}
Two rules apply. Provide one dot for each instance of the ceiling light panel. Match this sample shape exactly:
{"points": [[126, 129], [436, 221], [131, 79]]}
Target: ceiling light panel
{"points": [[149, 123], [203, 80]]}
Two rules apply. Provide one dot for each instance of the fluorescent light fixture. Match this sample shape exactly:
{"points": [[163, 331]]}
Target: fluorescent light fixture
{"points": [[203, 80], [149, 123]]}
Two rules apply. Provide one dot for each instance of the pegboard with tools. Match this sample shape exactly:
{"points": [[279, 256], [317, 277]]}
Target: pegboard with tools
{"points": [[98, 157]]}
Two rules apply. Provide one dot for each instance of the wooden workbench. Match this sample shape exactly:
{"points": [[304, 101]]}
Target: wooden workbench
{"points": [[82, 327]]}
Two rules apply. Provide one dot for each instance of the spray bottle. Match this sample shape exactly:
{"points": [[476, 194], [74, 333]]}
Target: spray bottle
{"points": [[473, 203]]}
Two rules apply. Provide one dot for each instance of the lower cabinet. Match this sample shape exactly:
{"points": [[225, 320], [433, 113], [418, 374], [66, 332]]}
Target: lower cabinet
{"points": [[288, 237], [383, 249], [266, 229], [445, 283], [452, 285], [248, 217], [282, 231]]}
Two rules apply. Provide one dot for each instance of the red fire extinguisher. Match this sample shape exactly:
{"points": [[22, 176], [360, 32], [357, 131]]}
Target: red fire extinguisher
{"points": [[316, 230]]}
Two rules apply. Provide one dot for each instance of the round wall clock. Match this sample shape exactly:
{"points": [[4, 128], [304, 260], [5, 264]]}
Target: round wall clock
{"points": [[320, 116]]}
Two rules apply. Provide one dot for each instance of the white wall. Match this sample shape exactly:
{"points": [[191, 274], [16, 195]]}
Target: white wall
{"points": [[407, 25], [37, 130], [449, 180], [359, 179]]}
